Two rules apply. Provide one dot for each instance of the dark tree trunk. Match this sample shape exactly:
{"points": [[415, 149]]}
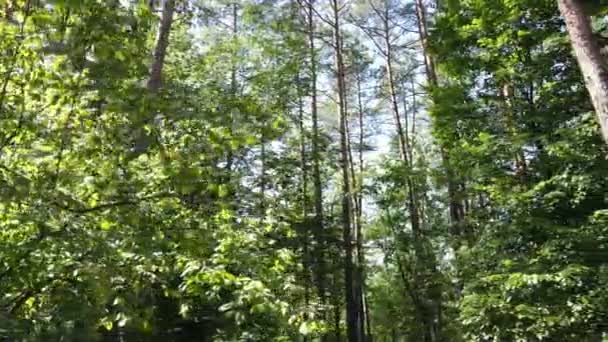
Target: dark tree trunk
{"points": [[366, 320], [319, 234], [350, 293], [304, 200], [160, 51], [143, 138], [432, 306]]}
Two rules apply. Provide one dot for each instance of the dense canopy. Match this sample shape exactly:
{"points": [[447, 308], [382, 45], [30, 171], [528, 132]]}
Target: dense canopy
{"points": [[301, 170]]}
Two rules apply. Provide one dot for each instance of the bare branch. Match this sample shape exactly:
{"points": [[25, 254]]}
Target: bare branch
{"points": [[319, 15]]}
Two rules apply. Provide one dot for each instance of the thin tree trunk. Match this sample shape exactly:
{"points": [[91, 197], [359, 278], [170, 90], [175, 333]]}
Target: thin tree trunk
{"points": [[356, 226], [359, 199], [403, 142], [352, 319], [410, 289], [144, 139], [590, 60], [233, 87], [358, 239], [455, 205], [337, 314], [421, 262], [401, 136], [368, 321], [429, 63], [263, 179], [506, 95], [316, 163], [361, 141], [406, 124], [433, 308], [162, 42], [304, 201], [414, 111]]}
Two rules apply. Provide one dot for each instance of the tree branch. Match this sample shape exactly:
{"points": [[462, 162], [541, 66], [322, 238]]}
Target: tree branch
{"points": [[120, 203]]}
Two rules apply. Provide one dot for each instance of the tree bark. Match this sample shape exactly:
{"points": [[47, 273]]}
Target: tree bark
{"points": [[304, 202], [429, 63], [366, 320], [316, 162], [455, 206], [352, 317], [233, 88], [590, 60], [357, 233], [160, 51], [432, 308], [144, 139], [404, 146], [263, 185]]}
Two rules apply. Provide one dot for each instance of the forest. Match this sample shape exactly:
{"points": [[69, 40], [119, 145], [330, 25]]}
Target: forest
{"points": [[304, 170]]}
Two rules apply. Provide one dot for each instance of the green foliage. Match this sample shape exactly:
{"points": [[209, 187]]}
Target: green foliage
{"points": [[212, 232], [97, 243], [515, 118]]}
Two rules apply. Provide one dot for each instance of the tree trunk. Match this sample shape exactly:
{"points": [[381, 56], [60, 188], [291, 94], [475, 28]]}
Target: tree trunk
{"points": [[590, 60], [455, 206], [162, 42], [352, 317], [319, 233], [143, 138], [304, 202], [263, 185], [337, 313], [404, 148], [432, 308], [233, 90], [519, 158], [361, 141], [357, 233], [366, 320], [429, 63]]}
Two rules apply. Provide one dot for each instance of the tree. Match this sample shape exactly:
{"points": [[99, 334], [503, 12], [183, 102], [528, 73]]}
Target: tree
{"points": [[299, 170], [589, 56], [316, 152], [504, 91], [350, 291], [154, 82]]}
